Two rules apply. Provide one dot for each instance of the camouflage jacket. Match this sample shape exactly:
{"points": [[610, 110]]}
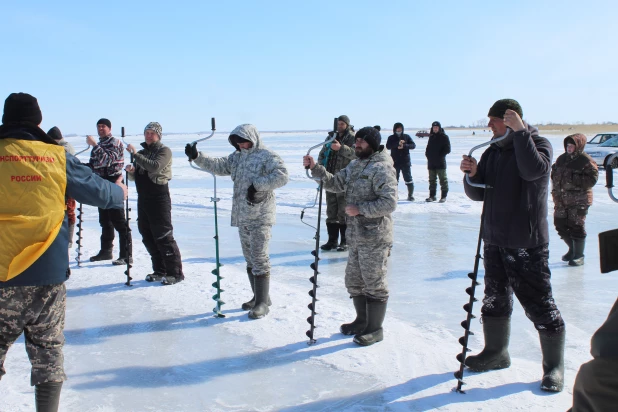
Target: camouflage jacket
{"points": [[370, 184], [257, 166], [338, 160], [573, 176]]}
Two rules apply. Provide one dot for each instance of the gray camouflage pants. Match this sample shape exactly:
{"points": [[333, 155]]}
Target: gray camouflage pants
{"points": [[38, 312], [254, 241], [365, 273]]}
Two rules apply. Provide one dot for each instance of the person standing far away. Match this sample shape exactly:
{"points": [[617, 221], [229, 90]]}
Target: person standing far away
{"points": [[107, 161], [34, 236], [400, 145], [56, 134], [573, 176], [438, 146], [152, 171], [370, 190], [256, 172], [516, 240], [334, 157]]}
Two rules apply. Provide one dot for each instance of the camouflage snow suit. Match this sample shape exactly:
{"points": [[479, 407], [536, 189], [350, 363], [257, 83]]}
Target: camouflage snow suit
{"points": [[265, 170], [370, 184], [573, 176], [334, 161]]}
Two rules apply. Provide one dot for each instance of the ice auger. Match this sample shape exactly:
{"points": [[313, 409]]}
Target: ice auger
{"points": [[78, 256], [128, 252], [217, 283], [316, 252], [473, 275]]}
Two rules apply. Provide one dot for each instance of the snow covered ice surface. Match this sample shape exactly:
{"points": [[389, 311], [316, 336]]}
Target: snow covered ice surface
{"points": [[155, 348]]}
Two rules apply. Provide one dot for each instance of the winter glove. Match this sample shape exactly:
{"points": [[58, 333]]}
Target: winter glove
{"points": [[251, 194], [191, 151]]}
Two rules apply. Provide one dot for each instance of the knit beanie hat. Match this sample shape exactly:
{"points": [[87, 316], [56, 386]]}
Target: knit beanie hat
{"points": [[436, 124], [371, 136], [22, 107], [345, 119], [501, 106], [377, 127], [55, 133], [105, 122], [155, 127]]}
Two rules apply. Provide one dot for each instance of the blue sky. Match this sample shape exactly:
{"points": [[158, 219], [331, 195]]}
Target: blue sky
{"points": [[286, 65]]}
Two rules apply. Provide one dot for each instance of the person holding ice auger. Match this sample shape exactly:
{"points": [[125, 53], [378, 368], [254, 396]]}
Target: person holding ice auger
{"points": [[516, 240], [334, 157], [256, 172], [38, 177]]}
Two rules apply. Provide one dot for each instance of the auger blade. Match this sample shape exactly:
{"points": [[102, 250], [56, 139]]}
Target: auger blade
{"points": [[311, 320], [309, 334], [313, 280], [313, 253], [465, 325], [312, 294], [467, 308], [462, 341], [312, 266], [310, 306], [460, 358]]}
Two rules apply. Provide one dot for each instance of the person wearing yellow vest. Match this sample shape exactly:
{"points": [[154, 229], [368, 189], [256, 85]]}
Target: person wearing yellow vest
{"points": [[36, 178]]}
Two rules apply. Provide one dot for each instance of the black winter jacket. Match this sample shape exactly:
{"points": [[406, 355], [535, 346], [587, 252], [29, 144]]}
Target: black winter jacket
{"points": [[401, 157], [437, 148], [516, 206]]}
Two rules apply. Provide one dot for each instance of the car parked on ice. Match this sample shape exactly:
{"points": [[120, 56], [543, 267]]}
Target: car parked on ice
{"points": [[601, 152], [422, 133], [602, 138]]}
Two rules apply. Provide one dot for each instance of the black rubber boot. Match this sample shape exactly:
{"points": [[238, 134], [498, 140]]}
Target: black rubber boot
{"points": [[569, 254], [578, 252], [495, 355], [443, 196], [410, 191], [47, 396], [102, 255], [343, 246], [333, 236], [262, 286], [432, 196], [360, 323], [250, 304], [373, 333], [552, 346]]}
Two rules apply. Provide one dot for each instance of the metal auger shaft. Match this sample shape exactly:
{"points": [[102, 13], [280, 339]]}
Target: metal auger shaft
{"points": [[78, 258], [129, 240], [217, 282]]}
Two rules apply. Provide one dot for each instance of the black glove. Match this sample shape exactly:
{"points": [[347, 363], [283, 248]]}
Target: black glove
{"points": [[251, 194], [191, 151]]}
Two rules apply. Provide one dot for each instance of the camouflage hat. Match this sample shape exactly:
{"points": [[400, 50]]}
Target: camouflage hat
{"points": [[155, 127]]}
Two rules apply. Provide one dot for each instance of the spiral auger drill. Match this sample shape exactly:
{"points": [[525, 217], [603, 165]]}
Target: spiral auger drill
{"points": [[128, 248], [468, 307], [214, 199], [78, 256], [316, 252]]}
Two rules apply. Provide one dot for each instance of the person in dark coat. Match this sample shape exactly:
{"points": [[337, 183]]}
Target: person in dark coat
{"points": [[573, 176], [516, 240], [400, 145], [437, 148]]}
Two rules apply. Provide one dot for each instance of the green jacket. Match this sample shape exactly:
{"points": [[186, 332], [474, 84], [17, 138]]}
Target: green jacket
{"points": [[156, 160]]}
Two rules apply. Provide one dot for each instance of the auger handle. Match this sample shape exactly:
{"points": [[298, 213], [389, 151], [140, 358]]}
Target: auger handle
{"points": [[609, 177], [317, 179], [212, 123], [82, 151], [492, 141]]}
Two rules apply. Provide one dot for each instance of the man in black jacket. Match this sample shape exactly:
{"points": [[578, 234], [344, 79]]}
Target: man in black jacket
{"points": [[437, 148], [400, 145], [516, 241]]}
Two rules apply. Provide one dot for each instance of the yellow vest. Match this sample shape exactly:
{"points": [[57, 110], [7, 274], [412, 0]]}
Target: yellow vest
{"points": [[32, 202]]}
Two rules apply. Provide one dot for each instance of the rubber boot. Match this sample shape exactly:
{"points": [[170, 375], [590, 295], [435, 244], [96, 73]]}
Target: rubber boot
{"points": [[333, 236], [443, 196], [552, 346], [47, 396], [410, 191], [250, 304], [360, 323], [262, 286], [124, 243], [569, 254], [578, 252], [432, 196], [373, 333], [343, 246], [102, 255], [71, 233], [495, 355]]}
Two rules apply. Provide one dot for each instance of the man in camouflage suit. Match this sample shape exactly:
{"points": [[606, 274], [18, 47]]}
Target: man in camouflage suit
{"points": [[516, 239], [370, 189], [573, 176], [32, 291], [334, 157], [256, 172]]}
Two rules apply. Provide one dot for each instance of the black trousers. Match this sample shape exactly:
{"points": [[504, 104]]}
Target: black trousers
{"points": [[525, 272], [154, 222], [110, 220]]}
